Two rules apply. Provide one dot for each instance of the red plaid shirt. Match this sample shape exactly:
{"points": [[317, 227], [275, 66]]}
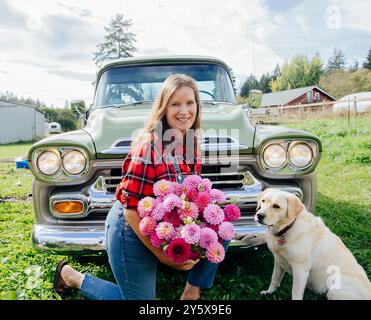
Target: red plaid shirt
{"points": [[144, 166]]}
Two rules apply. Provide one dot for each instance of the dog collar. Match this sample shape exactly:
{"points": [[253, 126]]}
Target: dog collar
{"points": [[281, 240]]}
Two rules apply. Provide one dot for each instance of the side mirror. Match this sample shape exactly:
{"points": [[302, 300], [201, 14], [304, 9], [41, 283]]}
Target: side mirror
{"points": [[78, 107], [255, 98]]}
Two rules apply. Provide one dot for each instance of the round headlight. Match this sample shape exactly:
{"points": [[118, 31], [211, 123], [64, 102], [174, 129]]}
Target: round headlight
{"points": [[74, 162], [301, 155], [274, 156], [48, 162]]}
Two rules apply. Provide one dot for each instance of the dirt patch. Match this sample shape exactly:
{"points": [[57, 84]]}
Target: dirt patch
{"points": [[21, 199]]}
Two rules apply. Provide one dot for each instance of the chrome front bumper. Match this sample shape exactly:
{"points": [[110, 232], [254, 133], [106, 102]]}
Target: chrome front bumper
{"points": [[91, 240]]}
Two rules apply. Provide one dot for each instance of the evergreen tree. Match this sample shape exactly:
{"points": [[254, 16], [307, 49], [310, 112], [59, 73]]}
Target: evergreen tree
{"points": [[264, 83], [336, 61], [367, 63], [118, 42], [250, 83]]}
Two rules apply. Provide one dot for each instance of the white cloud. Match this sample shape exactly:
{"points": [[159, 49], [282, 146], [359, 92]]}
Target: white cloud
{"points": [[53, 41]]}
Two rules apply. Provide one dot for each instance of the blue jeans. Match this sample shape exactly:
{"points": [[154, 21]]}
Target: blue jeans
{"points": [[134, 266]]}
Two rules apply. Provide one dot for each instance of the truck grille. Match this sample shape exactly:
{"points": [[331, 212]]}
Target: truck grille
{"points": [[218, 175]]}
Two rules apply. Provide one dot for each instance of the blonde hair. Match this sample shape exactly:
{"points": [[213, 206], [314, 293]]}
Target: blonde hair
{"points": [[160, 105]]}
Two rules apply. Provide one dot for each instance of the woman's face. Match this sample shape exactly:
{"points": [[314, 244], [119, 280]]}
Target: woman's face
{"points": [[182, 109]]}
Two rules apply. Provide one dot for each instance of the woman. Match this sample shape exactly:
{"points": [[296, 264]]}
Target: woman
{"points": [[158, 153]]}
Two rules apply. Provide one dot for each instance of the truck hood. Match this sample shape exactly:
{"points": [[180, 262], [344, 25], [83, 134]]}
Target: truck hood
{"points": [[111, 126]]}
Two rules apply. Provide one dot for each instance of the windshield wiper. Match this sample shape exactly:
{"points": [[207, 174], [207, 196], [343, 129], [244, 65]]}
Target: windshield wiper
{"points": [[121, 105]]}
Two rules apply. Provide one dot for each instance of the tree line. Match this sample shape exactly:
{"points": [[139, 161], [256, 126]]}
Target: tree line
{"points": [[334, 77]]}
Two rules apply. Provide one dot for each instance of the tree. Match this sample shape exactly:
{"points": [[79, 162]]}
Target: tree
{"points": [[250, 83], [367, 63], [299, 72], [354, 67], [264, 83], [118, 42], [336, 61]]}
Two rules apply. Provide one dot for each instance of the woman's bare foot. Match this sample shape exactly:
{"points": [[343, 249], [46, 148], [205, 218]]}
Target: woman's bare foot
{"points": [[191, 292], [71, 277]]}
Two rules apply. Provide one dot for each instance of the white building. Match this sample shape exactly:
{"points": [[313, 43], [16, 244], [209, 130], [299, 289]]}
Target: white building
{"points": [[20, 122]]}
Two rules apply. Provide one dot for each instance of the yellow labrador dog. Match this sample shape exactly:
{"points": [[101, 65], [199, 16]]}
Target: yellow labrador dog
{"points": [[305, 248]]}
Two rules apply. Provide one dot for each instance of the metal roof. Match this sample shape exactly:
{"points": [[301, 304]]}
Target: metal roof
{"points": [[284, 97]]}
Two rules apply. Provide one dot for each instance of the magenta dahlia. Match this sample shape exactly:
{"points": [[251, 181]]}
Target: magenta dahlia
{"points": [[173, 218], [232, 212], [202, 200], [179, 251]]}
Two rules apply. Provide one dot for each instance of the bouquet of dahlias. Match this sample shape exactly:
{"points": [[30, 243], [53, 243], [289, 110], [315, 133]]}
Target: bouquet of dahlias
{"points": [[186, 219]]}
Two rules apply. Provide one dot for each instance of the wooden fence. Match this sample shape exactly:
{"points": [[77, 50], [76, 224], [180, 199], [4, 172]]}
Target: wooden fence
{"points": [[268, 114]]}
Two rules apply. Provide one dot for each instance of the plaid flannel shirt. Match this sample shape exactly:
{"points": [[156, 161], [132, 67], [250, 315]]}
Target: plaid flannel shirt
{"points": [[143, 167]]}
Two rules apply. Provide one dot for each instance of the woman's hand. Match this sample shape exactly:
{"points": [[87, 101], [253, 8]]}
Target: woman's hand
{"points": [[132, 217], [187, 265]]}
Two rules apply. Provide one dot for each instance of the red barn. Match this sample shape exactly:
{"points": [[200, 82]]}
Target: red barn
{"points": [[311, 94]]}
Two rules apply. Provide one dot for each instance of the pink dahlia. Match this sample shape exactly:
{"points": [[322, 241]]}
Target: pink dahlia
{"points": [[147, 225], [145, 206], [158, 211], [179, 251], [207, 237], [202, 200], [173, 218], [232, 212], [191, 233], [171, 201], [217, 195], [213, 214], [189, 209], [155, 240], [226, 230], [165, 230], [205, 185], [215, 252], [191, 182], [163, 187]]}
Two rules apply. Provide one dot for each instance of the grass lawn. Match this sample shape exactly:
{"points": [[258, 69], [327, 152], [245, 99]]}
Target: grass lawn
{"points": [[344, 186], [10, 151]]}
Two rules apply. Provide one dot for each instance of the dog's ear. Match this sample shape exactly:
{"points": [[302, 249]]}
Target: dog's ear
{"points": [[294, 206], [260, 197]]}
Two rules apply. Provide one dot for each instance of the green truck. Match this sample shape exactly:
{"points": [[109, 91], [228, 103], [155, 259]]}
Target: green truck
{"points": [[76, 173]]}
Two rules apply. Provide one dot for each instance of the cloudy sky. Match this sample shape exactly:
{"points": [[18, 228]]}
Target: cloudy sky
{"points": [[46, 47]]}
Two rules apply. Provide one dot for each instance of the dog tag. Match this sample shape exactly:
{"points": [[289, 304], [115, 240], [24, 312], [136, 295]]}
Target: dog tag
{"points": [[281, 241]]}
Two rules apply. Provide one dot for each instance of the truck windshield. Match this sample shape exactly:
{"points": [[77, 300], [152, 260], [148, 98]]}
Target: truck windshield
{"points": [[125, 85]]}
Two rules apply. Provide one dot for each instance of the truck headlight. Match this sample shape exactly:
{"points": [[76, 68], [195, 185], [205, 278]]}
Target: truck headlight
{"points": [[74, 162], [48, 162], [300, 155], [274, 156]]}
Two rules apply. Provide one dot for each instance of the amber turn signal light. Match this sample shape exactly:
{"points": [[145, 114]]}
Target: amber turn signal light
{"points": [[66, 207]]}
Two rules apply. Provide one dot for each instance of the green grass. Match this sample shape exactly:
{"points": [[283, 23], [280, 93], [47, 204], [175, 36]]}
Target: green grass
{"points": [[344, 185], [10, 151]]}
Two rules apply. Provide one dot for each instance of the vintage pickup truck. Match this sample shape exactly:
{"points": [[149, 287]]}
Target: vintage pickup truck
{"points": [[76, 173]]}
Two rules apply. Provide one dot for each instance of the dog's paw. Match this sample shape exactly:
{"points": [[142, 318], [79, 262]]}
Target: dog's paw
{"points": [[251, 239], [266, 292]]}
